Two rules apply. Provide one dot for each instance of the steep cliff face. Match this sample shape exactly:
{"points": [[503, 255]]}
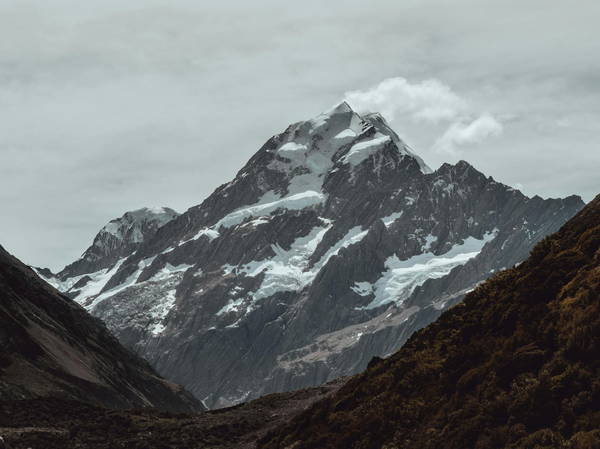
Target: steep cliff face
{"points": [[51, 347], [117, 240], [514, 366], [333, 244]]}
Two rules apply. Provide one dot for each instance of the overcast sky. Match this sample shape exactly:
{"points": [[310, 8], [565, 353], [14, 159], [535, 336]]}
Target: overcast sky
{"points": [[108, 106]]}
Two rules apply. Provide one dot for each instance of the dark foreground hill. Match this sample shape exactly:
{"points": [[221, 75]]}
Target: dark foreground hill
{"points": [[515, 366], [58, 424], [51, 347]]}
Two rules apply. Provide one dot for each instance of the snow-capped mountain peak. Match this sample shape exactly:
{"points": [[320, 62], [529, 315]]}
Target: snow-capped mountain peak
{"points": [[130, 227], [307, 153], [340, 108], [332, 135], [117, 239], [332, 244], [301, 167]]}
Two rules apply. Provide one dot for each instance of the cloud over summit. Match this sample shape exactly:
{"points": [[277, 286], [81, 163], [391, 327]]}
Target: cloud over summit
{"points": [[430, 102], [111, 106], [461, 134]]}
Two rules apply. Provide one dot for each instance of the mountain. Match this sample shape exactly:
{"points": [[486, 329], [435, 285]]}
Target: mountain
{"points": [[118, 239], [333, 244], [514, 366], [51, 347]]}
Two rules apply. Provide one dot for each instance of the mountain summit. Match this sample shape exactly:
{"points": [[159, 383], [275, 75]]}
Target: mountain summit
{"points": [[117, 239], [333, 244]]}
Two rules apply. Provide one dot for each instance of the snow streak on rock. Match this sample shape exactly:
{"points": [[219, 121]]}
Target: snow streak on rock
{"points": [[332, 244]]}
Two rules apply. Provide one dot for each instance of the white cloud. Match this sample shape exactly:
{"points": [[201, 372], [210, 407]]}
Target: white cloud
{"points": [[429, 101], [140, 99], [462, 133]]}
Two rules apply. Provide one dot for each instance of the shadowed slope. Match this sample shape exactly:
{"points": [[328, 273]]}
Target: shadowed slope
{"points": [[51, 347], [58, 424]]}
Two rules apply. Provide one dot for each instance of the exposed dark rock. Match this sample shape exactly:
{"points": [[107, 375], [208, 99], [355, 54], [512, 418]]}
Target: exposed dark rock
{"points": [[514, 366], [332, 245], [51, 347]]}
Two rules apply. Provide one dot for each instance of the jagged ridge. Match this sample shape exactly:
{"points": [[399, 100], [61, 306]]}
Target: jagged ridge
{"points": [[333, 244], [514, 366]]}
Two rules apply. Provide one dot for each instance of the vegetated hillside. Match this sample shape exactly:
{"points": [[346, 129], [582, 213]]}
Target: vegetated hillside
{"points": [[51, 347], [515, 366]]}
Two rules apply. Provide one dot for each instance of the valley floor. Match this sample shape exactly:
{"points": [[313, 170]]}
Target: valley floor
{"points": [[58, 424]]}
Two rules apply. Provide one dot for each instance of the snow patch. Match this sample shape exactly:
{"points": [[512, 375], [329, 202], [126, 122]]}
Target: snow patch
{"points": [[132, 279], [293, 202], [160, 312], [354, 235], [210, 233], [168, 270], [287, 270], [362, 288], [204, 232], [429, 241], [95, 285], [362, 150], [345, 134], [156, 210], [389, 219], [290, 150], [403, 276], [113, 228], [231, 306]]}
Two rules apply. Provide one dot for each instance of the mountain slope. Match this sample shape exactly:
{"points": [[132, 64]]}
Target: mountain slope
{"points": [[501, 398], [334, 243], [51, 347], [116, 241], [515, 365]]}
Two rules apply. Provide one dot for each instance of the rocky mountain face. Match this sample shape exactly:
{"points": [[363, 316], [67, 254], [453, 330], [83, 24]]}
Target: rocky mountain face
{"points": [[333, 244], [514, 366], [51, 347], [117, 240]]}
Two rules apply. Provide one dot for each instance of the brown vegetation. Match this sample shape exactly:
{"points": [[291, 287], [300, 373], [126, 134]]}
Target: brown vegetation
{"points": [[59, 424], [515, 366]]}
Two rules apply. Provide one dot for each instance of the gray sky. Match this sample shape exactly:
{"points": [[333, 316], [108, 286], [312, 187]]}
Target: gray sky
{"points": [[106, 108]]}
